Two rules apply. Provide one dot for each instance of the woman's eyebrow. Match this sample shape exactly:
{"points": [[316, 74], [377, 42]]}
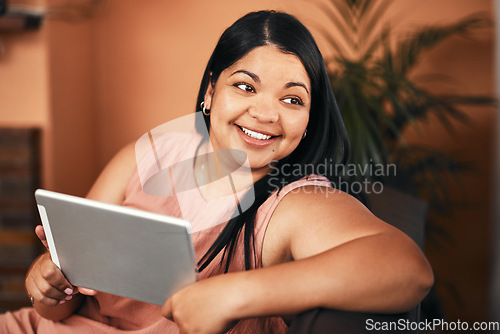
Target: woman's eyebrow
{"points": [[254, 76], [297, 84]]}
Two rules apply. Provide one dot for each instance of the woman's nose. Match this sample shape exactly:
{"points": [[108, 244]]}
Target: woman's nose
{"points": [[264, 111]]}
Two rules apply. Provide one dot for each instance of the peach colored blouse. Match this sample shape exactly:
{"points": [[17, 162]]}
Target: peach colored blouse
{"points": [[105, 313]]}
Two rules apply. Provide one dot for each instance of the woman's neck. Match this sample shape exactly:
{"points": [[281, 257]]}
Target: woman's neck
{"points": [[222, 172]]}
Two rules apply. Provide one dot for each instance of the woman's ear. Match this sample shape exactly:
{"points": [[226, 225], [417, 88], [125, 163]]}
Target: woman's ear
{"points": [[209, 93]]}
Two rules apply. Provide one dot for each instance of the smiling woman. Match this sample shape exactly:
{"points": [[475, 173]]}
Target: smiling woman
{"points": [[264, 92]]}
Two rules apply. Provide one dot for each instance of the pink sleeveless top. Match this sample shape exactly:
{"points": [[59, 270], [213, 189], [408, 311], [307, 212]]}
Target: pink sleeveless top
{"points": [[107, 313]]}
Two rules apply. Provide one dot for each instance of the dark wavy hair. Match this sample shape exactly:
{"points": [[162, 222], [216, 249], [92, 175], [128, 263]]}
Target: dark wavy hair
{"points": [[326, 140]]}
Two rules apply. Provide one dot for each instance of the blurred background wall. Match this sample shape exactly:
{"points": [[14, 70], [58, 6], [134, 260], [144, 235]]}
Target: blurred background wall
{"points": [[96, 82], [495, 283]]}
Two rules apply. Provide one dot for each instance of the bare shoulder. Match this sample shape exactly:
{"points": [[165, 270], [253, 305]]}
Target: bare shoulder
{"points": [[111, 184], [311, 220]]}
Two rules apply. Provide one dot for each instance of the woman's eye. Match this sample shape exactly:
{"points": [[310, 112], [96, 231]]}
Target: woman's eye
{"points": [[245, 87], [293, 100]]}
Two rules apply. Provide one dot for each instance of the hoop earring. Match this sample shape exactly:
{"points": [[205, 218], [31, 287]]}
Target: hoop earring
{"points": [[305, 134], [205, 111]]}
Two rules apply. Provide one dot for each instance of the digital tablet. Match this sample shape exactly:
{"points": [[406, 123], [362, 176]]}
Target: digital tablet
{"points": [[115, 249]]}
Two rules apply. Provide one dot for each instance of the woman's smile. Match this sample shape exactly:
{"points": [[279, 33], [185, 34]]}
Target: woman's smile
{"points": [[257, 138]]}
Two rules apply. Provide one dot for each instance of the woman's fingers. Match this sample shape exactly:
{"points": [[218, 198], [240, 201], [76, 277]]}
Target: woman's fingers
{"points": [[86, 291], [48, 294], [40, 233], [53, 275], [37, 294], [47, 284]]}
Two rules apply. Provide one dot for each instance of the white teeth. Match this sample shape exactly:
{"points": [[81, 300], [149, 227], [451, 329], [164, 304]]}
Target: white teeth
{"points": [[255, 135]]}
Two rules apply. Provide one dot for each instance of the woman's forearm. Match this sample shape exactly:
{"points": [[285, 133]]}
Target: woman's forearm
{"points": [[382, 273]]}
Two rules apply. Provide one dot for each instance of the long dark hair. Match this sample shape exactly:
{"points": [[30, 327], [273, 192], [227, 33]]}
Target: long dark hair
{"points": [[326, 140]]}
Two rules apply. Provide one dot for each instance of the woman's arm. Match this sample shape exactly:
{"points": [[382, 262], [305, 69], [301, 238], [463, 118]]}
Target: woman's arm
{"points": [[111, 184], [378, 263], [344, 258], [44, 281]]}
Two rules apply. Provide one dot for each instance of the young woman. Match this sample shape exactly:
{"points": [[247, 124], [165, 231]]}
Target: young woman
{"points": [[298, 245]]}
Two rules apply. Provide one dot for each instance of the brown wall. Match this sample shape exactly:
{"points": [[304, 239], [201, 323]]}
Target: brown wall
{"points": [[97, 84], [495, 209], [73, 116], [24, 98]]}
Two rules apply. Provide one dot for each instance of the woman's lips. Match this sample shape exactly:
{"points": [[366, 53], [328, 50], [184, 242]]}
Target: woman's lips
{"points": [[254, 141]]}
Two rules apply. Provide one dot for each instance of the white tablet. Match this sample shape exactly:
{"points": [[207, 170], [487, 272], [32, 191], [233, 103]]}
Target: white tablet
{"points": [[118, 250]]}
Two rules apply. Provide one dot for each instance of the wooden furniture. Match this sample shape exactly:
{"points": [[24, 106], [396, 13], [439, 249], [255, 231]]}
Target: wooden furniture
{"points": [[19, 177]]}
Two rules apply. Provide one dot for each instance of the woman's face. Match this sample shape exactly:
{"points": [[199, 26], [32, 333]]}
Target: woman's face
{"points": [[260, 105]]}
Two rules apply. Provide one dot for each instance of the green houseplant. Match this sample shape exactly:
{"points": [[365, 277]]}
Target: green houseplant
{"points": [[379, 98]]}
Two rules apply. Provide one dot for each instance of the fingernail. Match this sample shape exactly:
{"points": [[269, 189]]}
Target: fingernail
{"points": [[68, 291], [62, 302], [69, 297]]}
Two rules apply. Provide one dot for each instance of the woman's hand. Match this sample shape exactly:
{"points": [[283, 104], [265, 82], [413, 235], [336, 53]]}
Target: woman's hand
{"points": [[46, 284], [40, 233], [206, 306], [51, 293]]}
